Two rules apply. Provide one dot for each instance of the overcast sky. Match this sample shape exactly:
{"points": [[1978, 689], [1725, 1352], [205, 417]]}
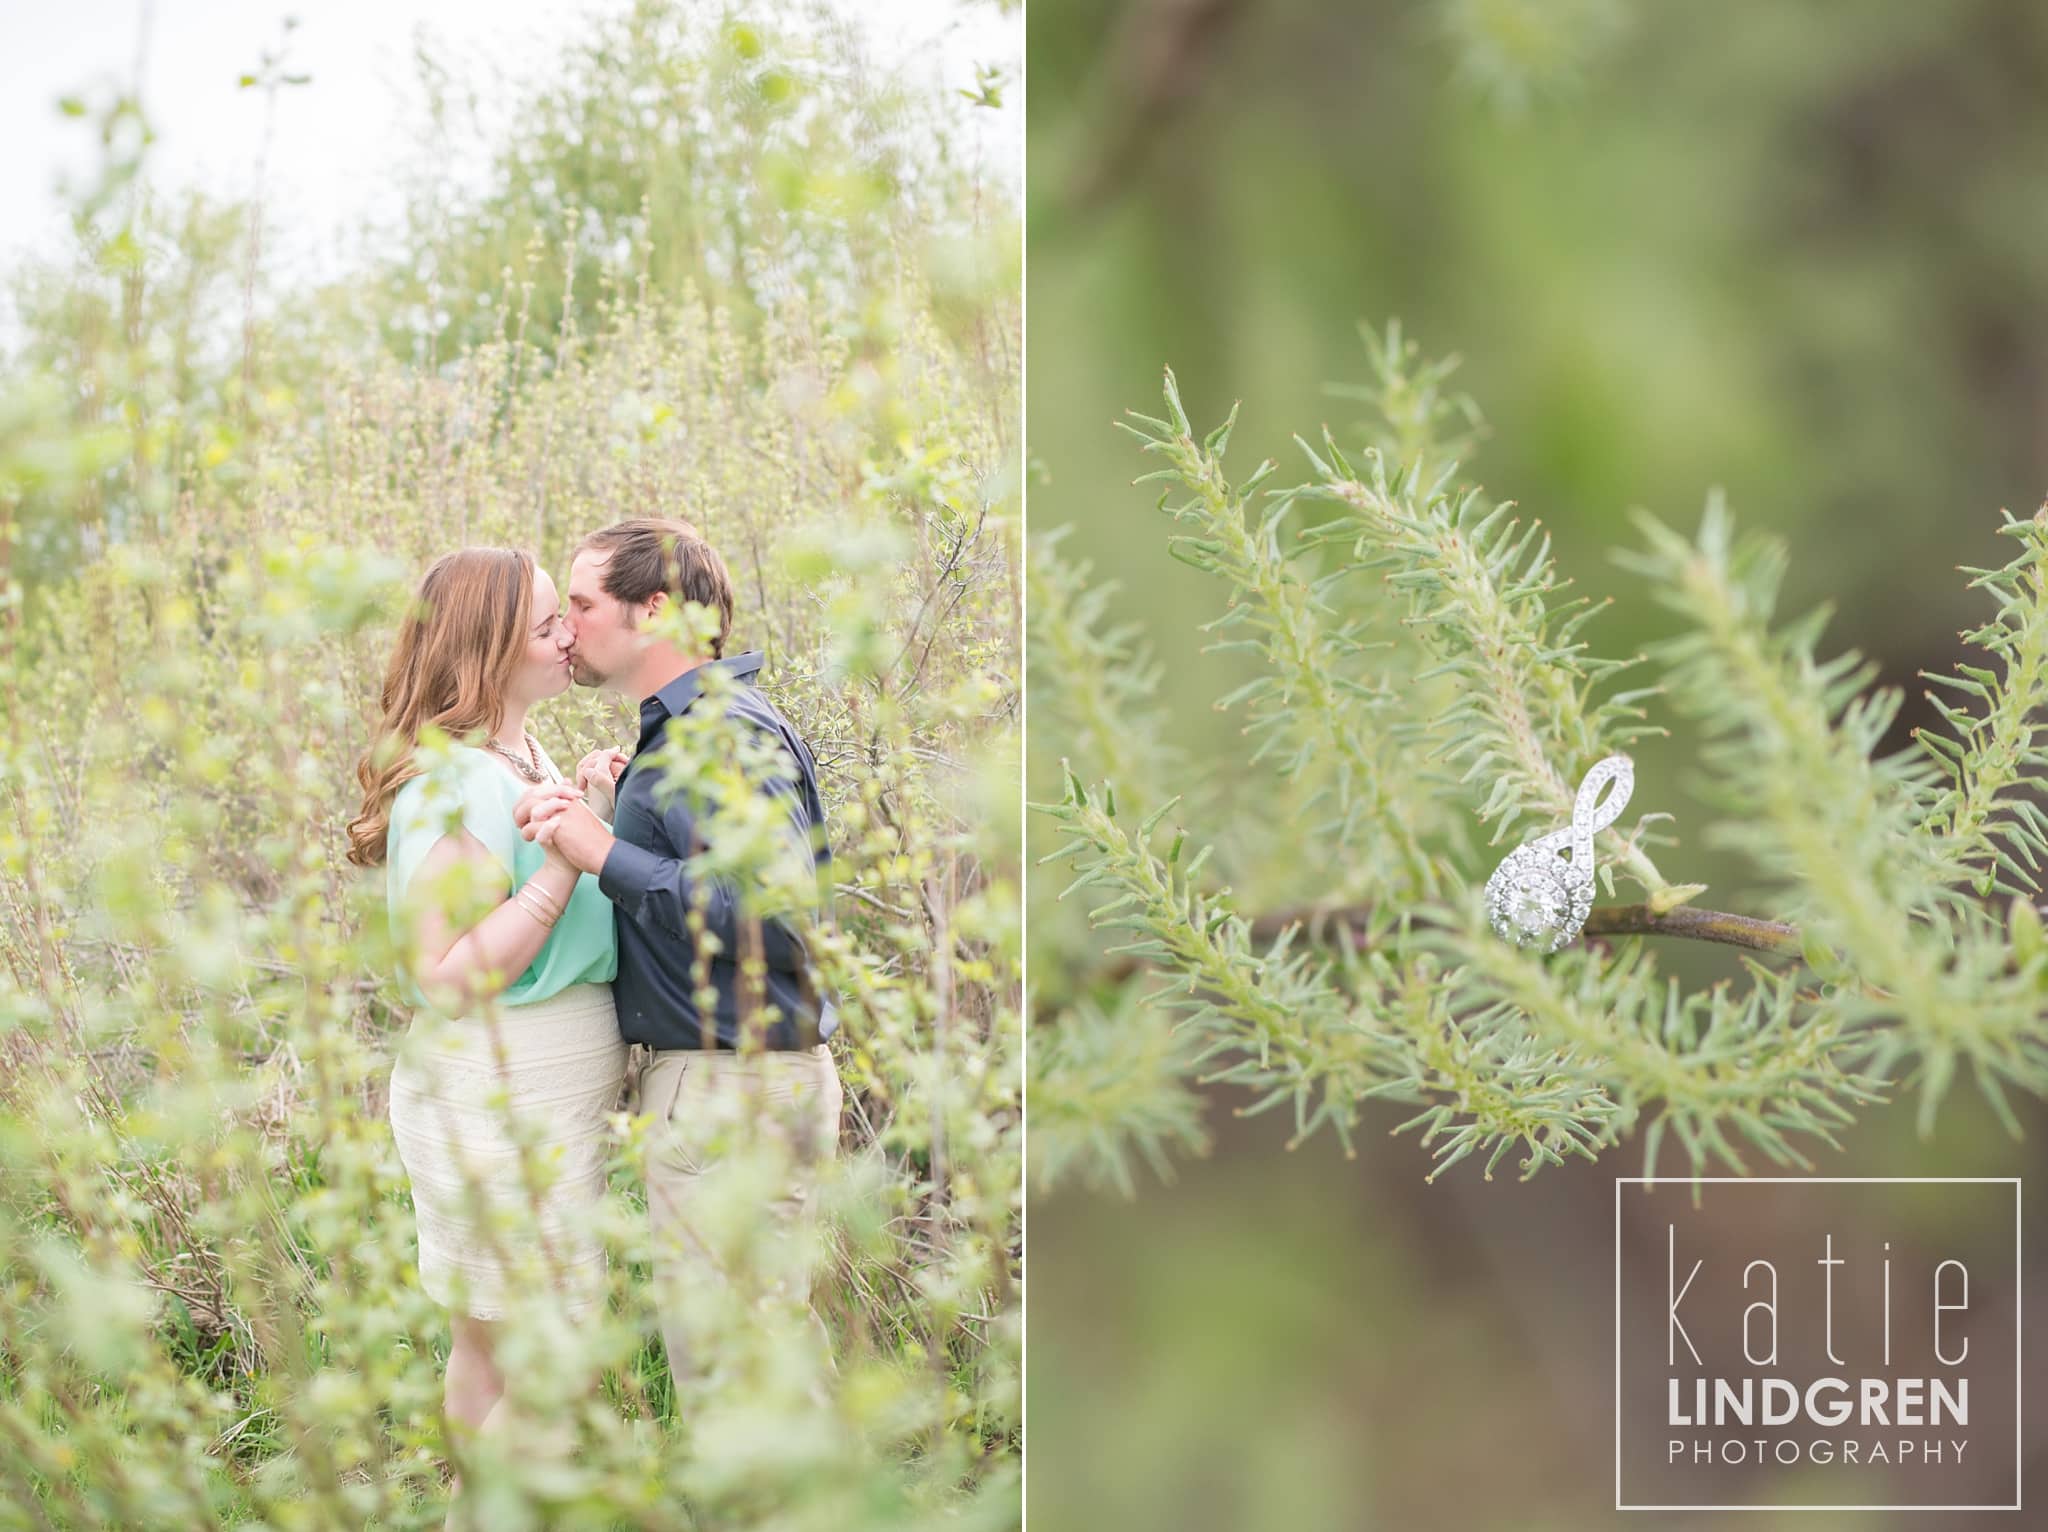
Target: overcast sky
{"points": [[336, 136]]}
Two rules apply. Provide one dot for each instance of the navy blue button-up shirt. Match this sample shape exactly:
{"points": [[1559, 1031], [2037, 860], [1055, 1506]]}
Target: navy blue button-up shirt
{"points": [[652, 894]]}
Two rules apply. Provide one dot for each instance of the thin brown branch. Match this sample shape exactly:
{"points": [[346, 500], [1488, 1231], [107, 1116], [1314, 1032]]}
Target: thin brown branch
{"points": [[1349, 923], [1774, 936], [1604, 920]]}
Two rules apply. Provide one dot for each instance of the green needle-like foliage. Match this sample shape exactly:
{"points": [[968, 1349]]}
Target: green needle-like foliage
{"points": [[1882, 863], [1856, 841], [1477, 587], [1112, 720], [1986, 830], [1290, 1031], [1314, 698], [1108, 1086]]}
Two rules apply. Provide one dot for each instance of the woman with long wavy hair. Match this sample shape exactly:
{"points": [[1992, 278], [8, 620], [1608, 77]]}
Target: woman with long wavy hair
{"points": [[513, 1059]]}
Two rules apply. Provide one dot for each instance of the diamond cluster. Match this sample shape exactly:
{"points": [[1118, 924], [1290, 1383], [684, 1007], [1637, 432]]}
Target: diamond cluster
{"points": [[1534, 900]]}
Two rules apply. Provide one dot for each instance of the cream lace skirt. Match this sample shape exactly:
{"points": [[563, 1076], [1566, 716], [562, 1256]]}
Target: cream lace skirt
{"points": [[500, 1125]]}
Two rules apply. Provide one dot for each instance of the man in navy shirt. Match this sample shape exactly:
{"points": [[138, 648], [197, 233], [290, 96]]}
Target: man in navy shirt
{"points": [[641, 872], [751, 1066]]}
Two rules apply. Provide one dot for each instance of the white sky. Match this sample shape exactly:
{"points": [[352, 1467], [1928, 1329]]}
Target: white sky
{"points": [[336, 136]]}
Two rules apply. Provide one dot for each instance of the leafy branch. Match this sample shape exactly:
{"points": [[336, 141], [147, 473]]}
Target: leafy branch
{"points": [[1312, 698], [1985, 830], [1900, 972], [1477, 585]]}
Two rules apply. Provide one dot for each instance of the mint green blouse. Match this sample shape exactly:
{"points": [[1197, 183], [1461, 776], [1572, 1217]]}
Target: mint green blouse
{"points": [[464, 789]]}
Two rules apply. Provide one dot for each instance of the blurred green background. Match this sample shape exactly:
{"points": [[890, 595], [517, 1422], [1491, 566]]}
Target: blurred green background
{"points": [[1799, 251]]}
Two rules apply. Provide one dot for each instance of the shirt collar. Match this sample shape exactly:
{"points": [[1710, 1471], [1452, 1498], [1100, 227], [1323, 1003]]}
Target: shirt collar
{"points": [[674, 698]]}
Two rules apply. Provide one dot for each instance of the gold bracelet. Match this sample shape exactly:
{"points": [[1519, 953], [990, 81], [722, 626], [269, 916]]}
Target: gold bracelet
{"points": [[543, 895]]}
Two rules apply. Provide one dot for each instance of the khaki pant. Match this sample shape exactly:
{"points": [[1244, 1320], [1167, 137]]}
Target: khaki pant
{"points": [[733, 1156]]}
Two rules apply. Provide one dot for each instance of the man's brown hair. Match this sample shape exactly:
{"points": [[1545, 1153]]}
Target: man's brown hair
{"points": [[651, 553]]}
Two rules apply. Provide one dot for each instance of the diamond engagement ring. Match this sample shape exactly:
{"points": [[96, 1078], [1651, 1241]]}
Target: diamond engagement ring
{"points": [[1539, 895]]}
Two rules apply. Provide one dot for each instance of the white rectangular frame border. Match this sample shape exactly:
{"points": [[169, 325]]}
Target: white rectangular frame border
{"points": [[2018, 1326]]}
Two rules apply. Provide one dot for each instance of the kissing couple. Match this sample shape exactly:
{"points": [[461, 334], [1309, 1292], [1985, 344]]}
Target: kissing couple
{"points": [[548, 924]]}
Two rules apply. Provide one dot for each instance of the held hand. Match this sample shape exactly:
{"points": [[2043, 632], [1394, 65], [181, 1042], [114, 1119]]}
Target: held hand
{"points": [[539, 828], [534, 798], [598, 774], [569, 830], [602, 766]]}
